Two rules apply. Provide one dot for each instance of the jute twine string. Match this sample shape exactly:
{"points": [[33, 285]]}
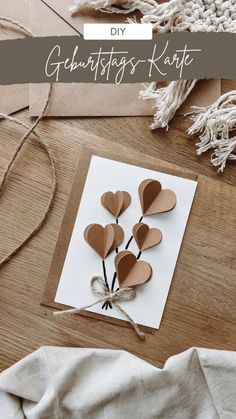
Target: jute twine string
{"points": [[98, 287], [17, 151], [17, 25], [53, 171]]}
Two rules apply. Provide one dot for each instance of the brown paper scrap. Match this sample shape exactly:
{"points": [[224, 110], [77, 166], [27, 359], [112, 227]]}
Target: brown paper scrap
{"points": [[104, 239], [100, 238], [146, 237], [118, 238], [154, 199], [130, 271], [116, 203]]}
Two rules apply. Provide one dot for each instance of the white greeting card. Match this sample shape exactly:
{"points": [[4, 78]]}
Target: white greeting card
{"points": [[82, 262]]}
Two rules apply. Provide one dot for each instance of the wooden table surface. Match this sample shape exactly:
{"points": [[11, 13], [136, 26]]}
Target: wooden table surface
{"points": [[198, 313]]}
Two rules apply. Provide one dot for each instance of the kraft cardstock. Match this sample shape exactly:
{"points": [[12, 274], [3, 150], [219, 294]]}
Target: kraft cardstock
{"points": [[130, 271], [154, 199], [104, 240], [116, 203], [145, 236]]}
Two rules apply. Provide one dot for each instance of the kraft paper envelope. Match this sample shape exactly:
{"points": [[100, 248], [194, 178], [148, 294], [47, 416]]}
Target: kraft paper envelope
{"points": [[14, 97], [52, 17]]}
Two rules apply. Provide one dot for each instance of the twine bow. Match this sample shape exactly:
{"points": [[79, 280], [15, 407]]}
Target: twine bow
{"points": [[99, 288]]}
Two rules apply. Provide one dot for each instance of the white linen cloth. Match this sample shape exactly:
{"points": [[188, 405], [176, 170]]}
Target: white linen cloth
{"points": [[56, 383]]}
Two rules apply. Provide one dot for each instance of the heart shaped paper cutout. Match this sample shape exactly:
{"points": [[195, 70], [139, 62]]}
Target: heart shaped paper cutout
{"points": [[146, 237], [116, 203], [154, 199], [100, 238], [130, 271], [118, 236]]}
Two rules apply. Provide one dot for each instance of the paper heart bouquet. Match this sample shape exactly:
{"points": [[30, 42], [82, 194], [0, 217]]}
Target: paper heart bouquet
{"points": [[122, 246], [129, 270]]}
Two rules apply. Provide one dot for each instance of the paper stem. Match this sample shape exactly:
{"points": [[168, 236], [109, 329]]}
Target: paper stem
{"points": [[139, 255], [117, 222], [129, 241], [113, 281], [131, 238], [115, 273], [107, 303], [105, 274]]}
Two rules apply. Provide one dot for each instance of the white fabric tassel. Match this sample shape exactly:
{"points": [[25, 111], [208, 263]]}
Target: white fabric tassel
{"points": [[168, 100], [223, 153], [166, 17], [116, 6], [215, 123], [163, 17]]}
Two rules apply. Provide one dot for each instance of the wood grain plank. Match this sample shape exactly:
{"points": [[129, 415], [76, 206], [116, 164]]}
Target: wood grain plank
{"points": [[200, 309]]}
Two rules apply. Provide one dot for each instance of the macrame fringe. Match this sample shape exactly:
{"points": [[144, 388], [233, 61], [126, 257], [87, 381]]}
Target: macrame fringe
{"points": [[168, 100], [167, 17], [216, 124], [173, 15], [115, 6], [164, 17]]}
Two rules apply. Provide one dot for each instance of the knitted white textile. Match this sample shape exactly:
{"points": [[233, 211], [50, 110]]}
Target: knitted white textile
{"points": [[209, 15]]}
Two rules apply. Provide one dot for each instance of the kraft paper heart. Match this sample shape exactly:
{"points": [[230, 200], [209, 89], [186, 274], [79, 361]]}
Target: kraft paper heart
{"points": [[100, 238], [130, 271], [118, 236], [146, 237], [154, 199], [116, 203]]}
